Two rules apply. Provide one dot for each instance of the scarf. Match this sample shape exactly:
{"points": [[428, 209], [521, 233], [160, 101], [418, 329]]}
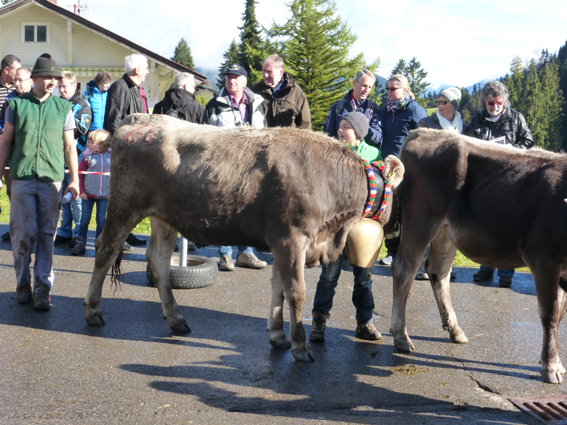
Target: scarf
{"points": [[396, 105], [456, 125]]}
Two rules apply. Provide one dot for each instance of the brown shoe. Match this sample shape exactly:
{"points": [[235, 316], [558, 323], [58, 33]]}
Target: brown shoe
{"points": [[250, 261], [318, 327], [367, 331]]}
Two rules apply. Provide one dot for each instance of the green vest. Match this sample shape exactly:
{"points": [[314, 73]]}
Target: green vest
{"points": [[38, 148], [369, 153]]}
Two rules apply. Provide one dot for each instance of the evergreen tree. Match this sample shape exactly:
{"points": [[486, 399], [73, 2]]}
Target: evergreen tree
{"points": [[316, 47], [415, 74], [230, 57], [552, 103], [182, 54], [531, 106], [562, 62], [544, 59], [251, 48]]}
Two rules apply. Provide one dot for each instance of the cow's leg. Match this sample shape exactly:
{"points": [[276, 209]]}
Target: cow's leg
{"points": [[288, 281], [438, 266], [108, 245], [552, 302], [160, 249], [417, 234]]}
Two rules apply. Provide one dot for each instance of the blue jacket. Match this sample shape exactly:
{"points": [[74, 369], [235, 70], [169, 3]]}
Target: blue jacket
{"points": [[395, 127], [11, 95], [342, 107], [97, 101]]}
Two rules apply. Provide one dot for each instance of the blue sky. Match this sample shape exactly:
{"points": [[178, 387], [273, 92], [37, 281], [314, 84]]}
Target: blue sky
{"points": [[458, 43]]}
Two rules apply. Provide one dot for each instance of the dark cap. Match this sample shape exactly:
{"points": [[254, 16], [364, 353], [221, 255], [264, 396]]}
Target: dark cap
{"points": [[358, 122], [236, 70], [45, 66]]}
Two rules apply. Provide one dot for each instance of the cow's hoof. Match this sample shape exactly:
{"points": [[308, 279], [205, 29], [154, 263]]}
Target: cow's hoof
{"points": [[180, 327], [303, 356], [402, 343], [553, 377], [459, 338], [95, 319], [280, 343]]}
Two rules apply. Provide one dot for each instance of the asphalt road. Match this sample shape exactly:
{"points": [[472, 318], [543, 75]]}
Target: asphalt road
{"points": [[55, 368]]}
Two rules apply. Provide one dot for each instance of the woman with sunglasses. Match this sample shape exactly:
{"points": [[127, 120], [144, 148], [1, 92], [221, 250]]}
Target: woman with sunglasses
{"points": [[400, 115], [445, 118], [498, 122]]}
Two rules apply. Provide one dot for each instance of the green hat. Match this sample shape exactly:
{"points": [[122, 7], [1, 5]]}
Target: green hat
{"points": [[45, 66]]}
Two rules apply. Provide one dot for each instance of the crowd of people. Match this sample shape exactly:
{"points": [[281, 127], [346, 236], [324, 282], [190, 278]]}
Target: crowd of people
{"points": [[71, 134]]}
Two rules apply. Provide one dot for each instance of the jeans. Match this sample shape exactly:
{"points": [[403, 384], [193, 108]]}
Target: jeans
{"points": [[88, 205], [33, 218], [509, 273], [70, 212], [362, 296], [227, 250]]}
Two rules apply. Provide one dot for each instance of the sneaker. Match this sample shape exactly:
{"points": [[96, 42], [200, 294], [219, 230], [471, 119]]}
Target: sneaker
{"points": [[127, 247], [387, 260], [5, 236], [505, 281], [483, 275], [41, 302], [24, 294], [367, 331], [60, 240], [318, 327], [80, 247], [453, 275], [250, 261], [226, 264], [421, 276], [132, 239]]}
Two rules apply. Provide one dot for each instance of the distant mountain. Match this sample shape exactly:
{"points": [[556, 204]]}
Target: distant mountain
{"points": [[480, 84]]}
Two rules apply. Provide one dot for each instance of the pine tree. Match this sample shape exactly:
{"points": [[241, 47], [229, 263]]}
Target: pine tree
{"points": [[251, 48], [552, 107], [317, 44], [531, 104], [230, 57], [415, 74], [182, 54]]}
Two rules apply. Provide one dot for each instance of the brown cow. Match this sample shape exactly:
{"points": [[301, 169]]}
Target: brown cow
{"points": [[500, 206], [291, 191]]}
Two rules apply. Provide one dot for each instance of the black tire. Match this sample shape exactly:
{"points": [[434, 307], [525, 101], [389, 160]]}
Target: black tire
{"points": [[200, 272]]}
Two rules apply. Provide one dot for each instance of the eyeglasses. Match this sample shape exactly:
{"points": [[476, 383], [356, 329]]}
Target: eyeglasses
{"points": [[393, 88], [442, 102], [496, 103]]}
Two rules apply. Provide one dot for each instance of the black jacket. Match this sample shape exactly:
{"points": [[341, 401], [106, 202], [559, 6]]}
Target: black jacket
{"points": [[511, 124], [180, 104], [123, 99]]}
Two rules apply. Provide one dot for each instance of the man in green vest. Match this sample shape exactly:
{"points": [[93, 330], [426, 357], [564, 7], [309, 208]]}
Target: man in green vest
{"points": [[38, 138]]}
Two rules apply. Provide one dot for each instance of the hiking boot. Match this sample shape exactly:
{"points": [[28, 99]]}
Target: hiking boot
{"points": [[5, 236], [367, 331], [421, 276], [41, 302], [132, 239], [226, 264], [127, 247], [483, 275], [24, 294], [60, 240], [80, 246], [250, 261], [505, 281], [318, 327], [387, 260], [73, 243]]}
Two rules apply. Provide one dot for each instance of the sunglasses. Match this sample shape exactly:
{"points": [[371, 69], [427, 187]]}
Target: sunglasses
{"points": [[496, 103], [393, 88], [442, 102]]}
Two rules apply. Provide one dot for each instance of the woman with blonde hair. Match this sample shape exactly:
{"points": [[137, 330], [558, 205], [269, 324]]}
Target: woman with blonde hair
{"points": [[400, 115]]}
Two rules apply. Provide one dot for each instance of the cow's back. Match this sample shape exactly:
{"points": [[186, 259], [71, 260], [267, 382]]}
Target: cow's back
{"points": [[241, 185], [496, 199]]}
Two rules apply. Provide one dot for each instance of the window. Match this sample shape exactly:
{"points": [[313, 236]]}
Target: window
{"points": [[35, 32]]}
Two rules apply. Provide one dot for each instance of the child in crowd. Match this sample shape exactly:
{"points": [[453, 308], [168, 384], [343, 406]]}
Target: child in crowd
{"points": [[352, 130], [93, 187]]}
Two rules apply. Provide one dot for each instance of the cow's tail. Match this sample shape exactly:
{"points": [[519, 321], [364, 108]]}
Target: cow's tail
{"points": [[116, 273]]}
